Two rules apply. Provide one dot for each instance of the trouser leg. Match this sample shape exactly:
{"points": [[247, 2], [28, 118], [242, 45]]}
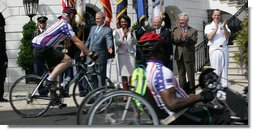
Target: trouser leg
{"points": [[1, 88], [181, 73], [102, 70], [224, 80], [39, 69], [190, 70], [125, 82], [219, 61]]}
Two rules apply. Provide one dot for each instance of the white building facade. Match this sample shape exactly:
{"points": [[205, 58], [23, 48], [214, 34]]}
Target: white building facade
{"points": [[15, 18]]}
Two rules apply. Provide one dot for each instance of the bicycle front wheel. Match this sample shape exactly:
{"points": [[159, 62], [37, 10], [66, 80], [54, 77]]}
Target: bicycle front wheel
{"points": [[26, 100], [120, 112]]}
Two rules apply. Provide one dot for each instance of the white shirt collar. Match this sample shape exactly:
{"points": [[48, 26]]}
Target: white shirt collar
{"points": [[212, 23], [158, 31], [99, 27]]}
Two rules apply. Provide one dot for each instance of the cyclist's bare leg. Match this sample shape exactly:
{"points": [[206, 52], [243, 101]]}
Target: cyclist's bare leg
{"points": [[61, 67], [51, 81]]}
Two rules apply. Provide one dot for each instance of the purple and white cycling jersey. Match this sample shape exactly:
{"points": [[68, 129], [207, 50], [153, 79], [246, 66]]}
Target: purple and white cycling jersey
{"points": [[161, 78], [54, 34]]}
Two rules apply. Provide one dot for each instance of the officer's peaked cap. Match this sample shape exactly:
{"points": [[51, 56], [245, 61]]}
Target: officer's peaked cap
{"points": [[42, 18]]}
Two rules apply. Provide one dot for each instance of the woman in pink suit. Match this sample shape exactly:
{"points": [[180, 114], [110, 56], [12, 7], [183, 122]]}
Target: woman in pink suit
{"points": [[125, 42]]}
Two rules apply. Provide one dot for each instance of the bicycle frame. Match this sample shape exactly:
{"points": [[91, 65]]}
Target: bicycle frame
{"points": [[44, 76], [77, 76]]}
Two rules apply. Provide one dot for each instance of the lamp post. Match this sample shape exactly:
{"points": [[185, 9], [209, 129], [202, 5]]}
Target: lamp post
{"points": [[31, 7]]}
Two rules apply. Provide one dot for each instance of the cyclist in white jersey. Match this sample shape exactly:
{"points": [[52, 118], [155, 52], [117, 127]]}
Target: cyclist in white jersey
{"points": [[165, 94]]}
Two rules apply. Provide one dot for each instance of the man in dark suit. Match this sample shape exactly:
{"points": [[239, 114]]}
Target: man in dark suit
{"points": [[165, 35], [185, 38], [144, 27], [3, 64], [100, 41]]}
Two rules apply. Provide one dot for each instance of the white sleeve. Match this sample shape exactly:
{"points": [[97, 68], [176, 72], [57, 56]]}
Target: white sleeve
{"points": [[208, 29], [168, 77], [69, 31]]}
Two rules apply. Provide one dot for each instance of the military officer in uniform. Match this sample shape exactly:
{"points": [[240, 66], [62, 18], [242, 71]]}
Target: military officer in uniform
{"points": [[39, 67], [218, 33]]}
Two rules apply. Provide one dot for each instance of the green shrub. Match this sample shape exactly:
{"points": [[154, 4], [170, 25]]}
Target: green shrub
{"points": [[25, 55]]}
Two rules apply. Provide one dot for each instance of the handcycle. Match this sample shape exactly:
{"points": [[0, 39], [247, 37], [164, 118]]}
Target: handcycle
{"points": [[128, 113], [110, 109], [24, 93]]}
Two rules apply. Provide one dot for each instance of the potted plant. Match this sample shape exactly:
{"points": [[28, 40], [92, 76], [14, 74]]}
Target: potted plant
{"points": [[241, 39], [25, 55]]}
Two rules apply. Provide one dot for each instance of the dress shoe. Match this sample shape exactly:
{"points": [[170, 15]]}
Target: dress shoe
{"points": [[3, 100]]}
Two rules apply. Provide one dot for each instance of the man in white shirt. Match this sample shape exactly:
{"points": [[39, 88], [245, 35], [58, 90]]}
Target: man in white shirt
{"points": [[218, 34]]}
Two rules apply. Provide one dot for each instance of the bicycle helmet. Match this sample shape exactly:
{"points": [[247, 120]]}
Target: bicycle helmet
{"points": [[69, 10], [150, 36], [208, 79], [149, 41]]}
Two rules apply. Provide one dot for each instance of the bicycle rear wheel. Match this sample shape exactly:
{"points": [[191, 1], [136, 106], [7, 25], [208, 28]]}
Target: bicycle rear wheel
{"points": [[120, 112], [24, 102], [86, 83]]}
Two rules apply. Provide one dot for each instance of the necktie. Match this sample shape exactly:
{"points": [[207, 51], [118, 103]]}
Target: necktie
{"points": [[96, 32]]}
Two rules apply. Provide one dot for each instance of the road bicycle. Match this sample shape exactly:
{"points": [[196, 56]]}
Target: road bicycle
{"points": [[24, 93]]}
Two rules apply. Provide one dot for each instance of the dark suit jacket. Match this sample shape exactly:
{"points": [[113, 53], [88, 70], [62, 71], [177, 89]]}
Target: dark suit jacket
{"points": [[101, 43], [185, 48], [3, 58], [165, 35]]}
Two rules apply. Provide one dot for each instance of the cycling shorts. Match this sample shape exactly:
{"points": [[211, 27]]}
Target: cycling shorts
{"points": [[48, 55]]}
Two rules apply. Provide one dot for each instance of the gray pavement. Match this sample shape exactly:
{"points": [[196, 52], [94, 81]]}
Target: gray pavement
{"points": [[54, 116]]}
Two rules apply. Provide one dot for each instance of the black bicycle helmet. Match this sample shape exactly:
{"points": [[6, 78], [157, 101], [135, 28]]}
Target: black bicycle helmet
{"points": [[208, 78]]}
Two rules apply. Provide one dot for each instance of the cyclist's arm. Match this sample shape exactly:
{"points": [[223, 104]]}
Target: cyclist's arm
{"points": [[174, 103], [80, 45]]}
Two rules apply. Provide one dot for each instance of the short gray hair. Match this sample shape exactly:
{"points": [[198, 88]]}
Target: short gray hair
{"points": [[102, 14], [185, 16]]}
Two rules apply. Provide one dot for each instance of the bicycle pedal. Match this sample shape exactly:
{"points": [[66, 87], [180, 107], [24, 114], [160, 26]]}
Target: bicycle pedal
{"points": [[62, 105], [56, 102], [65, 95], [84, 111], [57, 88]]}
